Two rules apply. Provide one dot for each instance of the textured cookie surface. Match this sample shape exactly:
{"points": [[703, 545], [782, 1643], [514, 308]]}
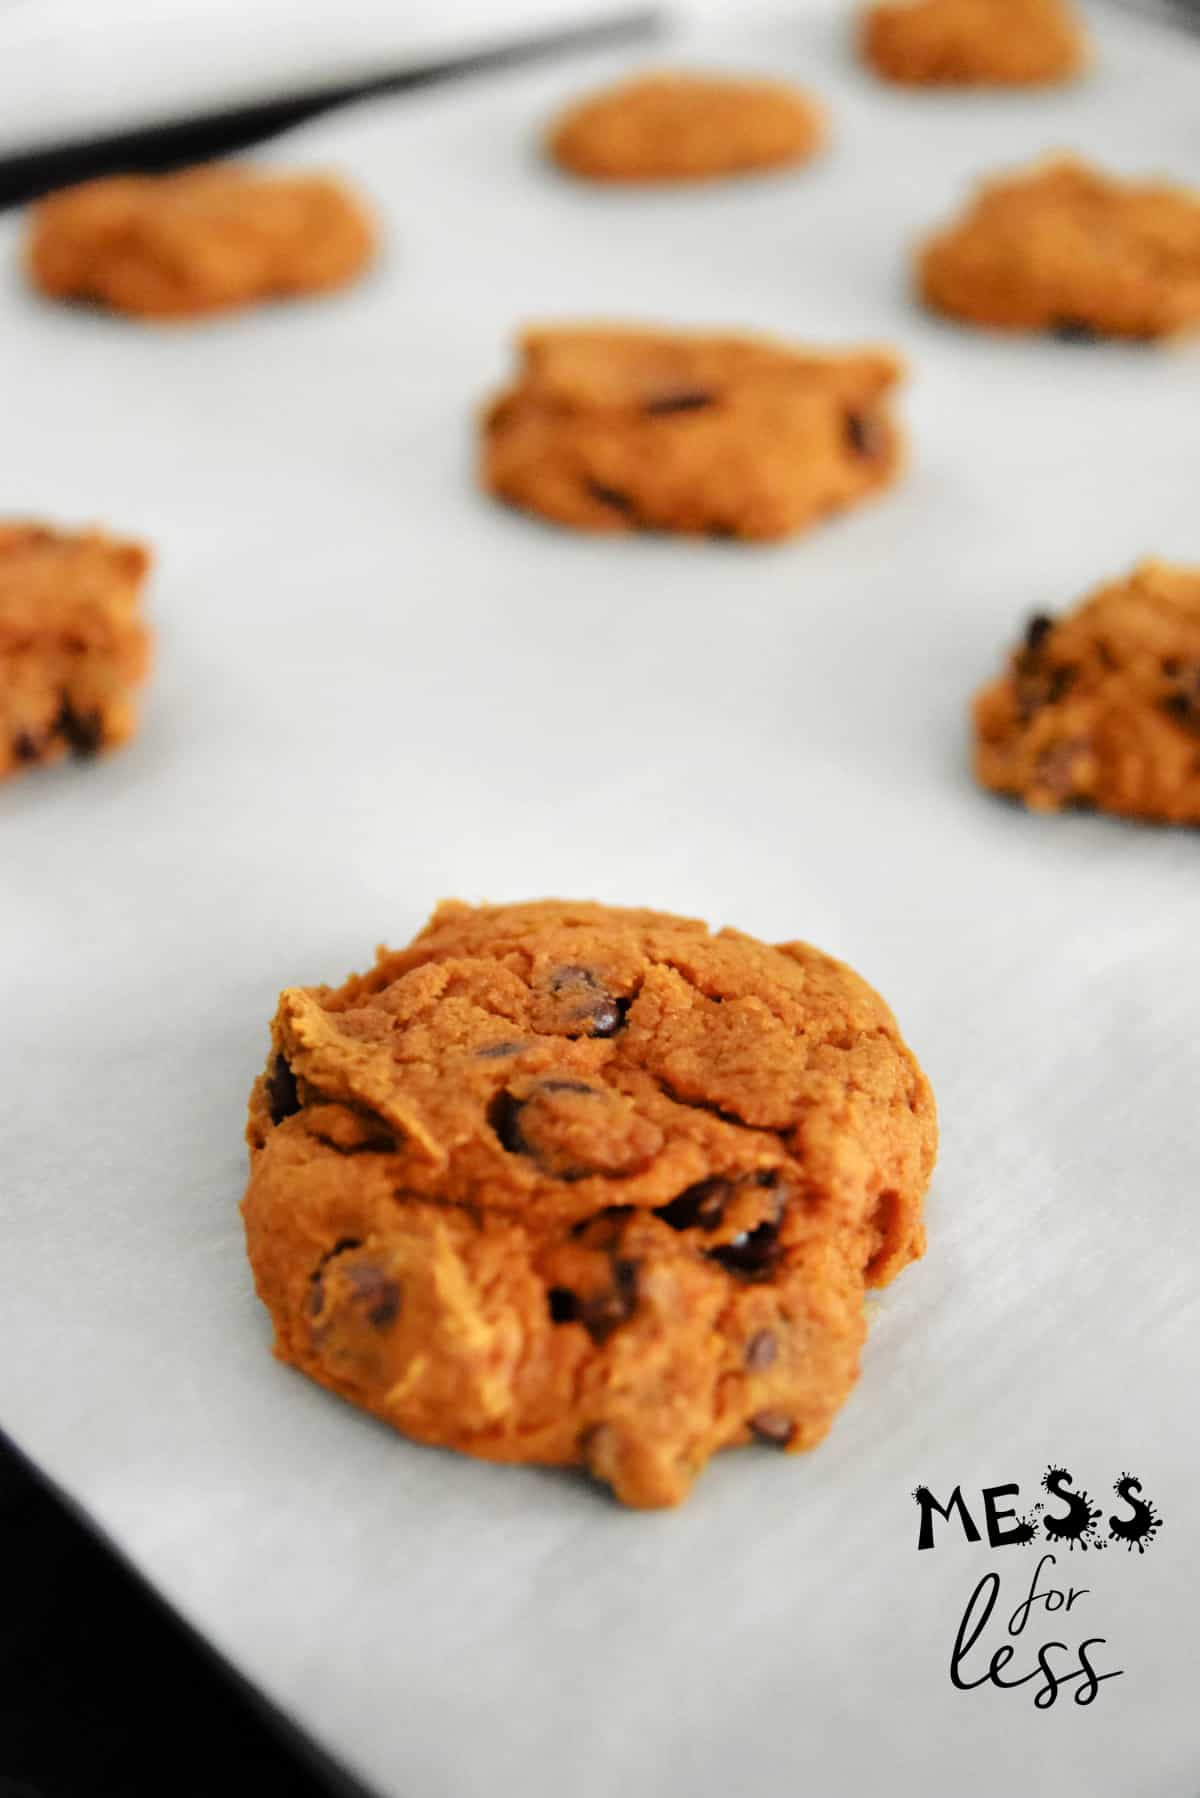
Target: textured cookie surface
{"points": [[566, 1184], [73, 647], [686, 127], [1063, 248], [619, 430], [974, 42], [173, 246], [1102, 707]]}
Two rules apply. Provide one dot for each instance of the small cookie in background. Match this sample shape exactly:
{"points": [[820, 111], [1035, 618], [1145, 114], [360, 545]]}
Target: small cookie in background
{"points": [[73, 645], [1063, 248], [1101, 708], [943, 43], [207, 240], [686, 128], [611, 429], [584, 1186]]}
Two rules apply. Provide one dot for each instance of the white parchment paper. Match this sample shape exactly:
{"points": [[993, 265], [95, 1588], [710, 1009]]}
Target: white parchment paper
{"points": [[375, 688], [70, 69]]}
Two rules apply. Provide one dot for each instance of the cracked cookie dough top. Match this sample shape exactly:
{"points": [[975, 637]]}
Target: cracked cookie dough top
{"points": [[666, 127], [974, 42], [622, 1181], [1102, 706], [617, 429], [176, 246], [1061, 247]]}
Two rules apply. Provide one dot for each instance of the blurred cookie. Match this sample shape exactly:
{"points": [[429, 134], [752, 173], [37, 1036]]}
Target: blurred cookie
{"points": [[1102, 706], [1063, 248], [73, 645], [686, 128], [974, 42], [609, 429], [177, 246], [568, 1184]]}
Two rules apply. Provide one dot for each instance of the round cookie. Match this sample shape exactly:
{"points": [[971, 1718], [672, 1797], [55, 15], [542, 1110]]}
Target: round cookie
{"points": [[567, 1184], [211, 238], [1063, 248], [1101, 708], [620, 430], [686, 128], [74, 644], [973, 42]]}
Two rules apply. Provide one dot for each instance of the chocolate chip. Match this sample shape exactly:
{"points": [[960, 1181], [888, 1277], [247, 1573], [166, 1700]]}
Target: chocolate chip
{"points": [[1037, 683], [599, 1313], [562, 979], [83, 731], [751, 1255], [378, 1295], [699, 1207], [564, 1306], [495, 1051], [565, 1086], [761, 1351], [866, 434], [612, 497], [691, 399], [24, 748], [601, 1011], [1073, 330], [283, 1097], [504, 1115], [316, 1296], [774, 1427], [1183, 703], [1037, 630]]}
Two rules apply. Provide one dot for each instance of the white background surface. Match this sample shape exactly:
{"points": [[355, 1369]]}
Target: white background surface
{"points": [[375, 688], [72, 69]]}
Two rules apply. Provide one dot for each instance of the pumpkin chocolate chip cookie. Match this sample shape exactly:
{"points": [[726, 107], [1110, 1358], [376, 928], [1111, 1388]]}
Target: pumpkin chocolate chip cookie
{"points": [[1101, 708], [73, 646], [686, 128], [1063, 248], [568, 1184], [974, 42], [609, 429], [177, 246]]}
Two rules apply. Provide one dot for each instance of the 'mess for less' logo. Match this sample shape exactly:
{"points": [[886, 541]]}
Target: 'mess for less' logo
{"points": [[1071, 1522]]}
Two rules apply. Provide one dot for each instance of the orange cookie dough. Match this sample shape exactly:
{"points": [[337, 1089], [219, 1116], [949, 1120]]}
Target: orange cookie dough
{"points": [[974, 42], [567, 1184], [1063, 248], [73, 646], [212, 238], [607, 429], [1101, 708], [686, 128]]}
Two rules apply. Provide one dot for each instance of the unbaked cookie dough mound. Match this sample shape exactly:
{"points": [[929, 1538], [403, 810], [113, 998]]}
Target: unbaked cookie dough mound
{"points": [[567, 1184], [206, 240], [617, 429], [1101, 708], [1062, 248], [666, 127], [974, 43]]}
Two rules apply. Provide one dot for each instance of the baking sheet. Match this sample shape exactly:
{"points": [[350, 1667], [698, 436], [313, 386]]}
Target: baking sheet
{"points": [[375, 688]]}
